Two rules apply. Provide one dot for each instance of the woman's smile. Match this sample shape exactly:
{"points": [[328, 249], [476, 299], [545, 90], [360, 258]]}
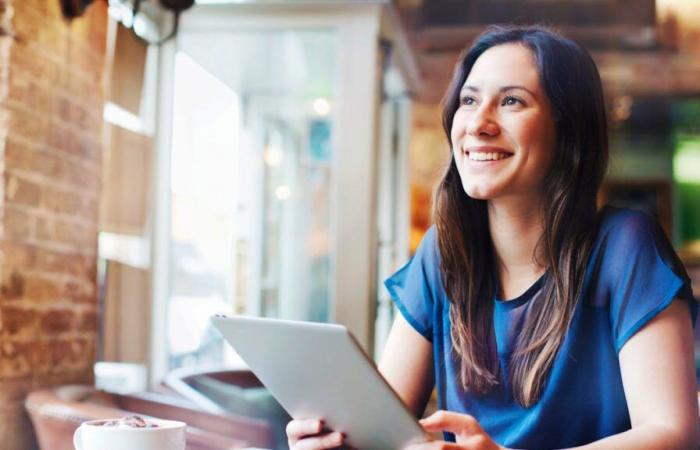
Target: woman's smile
{"points": [[474, 156], [485, 156]]}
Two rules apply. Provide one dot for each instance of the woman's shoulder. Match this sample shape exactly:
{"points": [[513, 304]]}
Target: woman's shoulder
{"points": [[624, 216], [627, 226], [428, 254], [636, 271], [628, 236], [428, 243]]}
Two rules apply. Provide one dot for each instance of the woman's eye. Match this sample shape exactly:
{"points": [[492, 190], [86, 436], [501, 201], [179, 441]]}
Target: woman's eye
{"points": [[511, 101], [467, 101]]}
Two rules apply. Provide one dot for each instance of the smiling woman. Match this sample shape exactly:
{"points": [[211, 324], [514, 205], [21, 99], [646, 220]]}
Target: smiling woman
{"points": [[533, 312], [503, 132], [507, 93], [570, 285]]}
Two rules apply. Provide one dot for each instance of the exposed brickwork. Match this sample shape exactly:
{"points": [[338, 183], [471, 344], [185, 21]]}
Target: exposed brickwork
{"points": [[51, 97]]}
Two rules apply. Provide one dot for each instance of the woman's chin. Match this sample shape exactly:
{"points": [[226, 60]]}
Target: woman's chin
{"points": [[479, 192]]}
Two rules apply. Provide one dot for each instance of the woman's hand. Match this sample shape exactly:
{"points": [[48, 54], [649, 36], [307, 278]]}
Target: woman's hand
{"points": [[467, 431], [306, 435]]}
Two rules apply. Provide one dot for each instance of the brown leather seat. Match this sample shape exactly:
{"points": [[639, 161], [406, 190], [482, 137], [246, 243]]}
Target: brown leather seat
{"points": [[56, 413]]}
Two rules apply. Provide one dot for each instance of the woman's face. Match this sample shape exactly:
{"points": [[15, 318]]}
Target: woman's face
{"points": [[503, 133]]}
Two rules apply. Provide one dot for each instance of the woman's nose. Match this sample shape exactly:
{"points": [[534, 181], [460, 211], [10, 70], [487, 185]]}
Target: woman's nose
{"points": [[480, 123]]}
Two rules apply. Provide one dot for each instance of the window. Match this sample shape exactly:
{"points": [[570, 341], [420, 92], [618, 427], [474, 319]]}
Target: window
{"points": [[250, 184]]}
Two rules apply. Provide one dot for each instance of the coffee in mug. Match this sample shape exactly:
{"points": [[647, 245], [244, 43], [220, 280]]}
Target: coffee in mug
{"points": [[130, 433]]}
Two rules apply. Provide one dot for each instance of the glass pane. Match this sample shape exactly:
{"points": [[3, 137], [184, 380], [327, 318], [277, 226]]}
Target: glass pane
{"points": [[251, 182]]}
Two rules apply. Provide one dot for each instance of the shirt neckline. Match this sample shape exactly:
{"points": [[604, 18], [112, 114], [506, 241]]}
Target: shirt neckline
{"points": [[524, 297]]}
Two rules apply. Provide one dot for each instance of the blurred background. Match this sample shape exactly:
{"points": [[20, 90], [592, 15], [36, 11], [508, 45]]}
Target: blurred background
{"points": [[163, 162]]}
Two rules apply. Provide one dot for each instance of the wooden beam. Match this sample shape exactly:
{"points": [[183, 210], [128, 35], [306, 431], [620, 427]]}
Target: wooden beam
{"points": [[570, 12], [644, 73], [615, 37]]}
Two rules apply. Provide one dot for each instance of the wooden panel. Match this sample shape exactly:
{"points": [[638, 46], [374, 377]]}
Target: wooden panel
{"points": [[126, 181], [126, 77], [126, 314]]}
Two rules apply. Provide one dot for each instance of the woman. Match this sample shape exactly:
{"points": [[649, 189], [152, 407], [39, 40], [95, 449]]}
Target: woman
{"points": [[542, 322]]}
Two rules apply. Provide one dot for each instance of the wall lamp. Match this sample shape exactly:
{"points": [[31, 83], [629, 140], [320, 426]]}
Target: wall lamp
{"points": [[158, 8], [175, 7]]}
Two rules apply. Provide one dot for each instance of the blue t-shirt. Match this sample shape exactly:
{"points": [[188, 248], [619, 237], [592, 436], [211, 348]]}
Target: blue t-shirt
{"points": [[632, 275]]}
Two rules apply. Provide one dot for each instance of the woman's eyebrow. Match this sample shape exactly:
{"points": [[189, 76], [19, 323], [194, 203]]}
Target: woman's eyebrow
{"points": [[502, 89]]}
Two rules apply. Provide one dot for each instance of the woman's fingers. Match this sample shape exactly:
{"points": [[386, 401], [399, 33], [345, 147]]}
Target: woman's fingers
{"points": [[297, 429], [329, 440], [469, 434], [455, 423], [304, 427], [434, 445], [304, 435], [478, 442]]}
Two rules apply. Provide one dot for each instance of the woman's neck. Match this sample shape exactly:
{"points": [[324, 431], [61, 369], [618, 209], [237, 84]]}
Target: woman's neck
{"points": [[515, 225]]}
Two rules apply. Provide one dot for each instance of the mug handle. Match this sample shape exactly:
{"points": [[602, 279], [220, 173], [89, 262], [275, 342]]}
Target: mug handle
{"points": [[76, 439]]}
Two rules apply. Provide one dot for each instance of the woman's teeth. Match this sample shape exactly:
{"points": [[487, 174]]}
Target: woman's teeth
{"points": [[487, 156]]}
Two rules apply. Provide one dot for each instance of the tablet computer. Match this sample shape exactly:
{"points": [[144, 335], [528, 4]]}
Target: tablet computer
{"points": [[318, 370]]}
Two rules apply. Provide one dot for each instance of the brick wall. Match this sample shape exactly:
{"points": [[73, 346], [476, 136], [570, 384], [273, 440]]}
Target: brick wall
{"points": [[51, 96]]}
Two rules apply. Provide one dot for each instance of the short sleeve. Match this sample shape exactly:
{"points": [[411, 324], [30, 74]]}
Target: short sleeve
{"points": [[645, 274], [413, 288]]}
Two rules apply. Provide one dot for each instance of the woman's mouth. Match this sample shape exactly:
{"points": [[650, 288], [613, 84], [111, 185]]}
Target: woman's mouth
{"points": [[487, 156]]}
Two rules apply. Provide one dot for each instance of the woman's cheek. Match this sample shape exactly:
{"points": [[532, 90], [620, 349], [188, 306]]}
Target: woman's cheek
{"points": [[458, 128]]}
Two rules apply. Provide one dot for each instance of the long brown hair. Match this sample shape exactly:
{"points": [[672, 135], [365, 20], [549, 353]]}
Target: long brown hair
{"points": [[572, 84]]}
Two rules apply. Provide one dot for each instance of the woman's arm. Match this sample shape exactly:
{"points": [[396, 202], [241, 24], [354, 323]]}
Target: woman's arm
{"points": [[658, 375], [407, 365]]}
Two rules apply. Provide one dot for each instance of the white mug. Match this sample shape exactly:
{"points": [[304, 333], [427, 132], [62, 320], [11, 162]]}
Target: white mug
{"points": [[169, 435]]}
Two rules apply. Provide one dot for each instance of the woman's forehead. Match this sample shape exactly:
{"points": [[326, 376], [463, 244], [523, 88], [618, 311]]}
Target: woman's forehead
{"points": [[504, 65]]}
